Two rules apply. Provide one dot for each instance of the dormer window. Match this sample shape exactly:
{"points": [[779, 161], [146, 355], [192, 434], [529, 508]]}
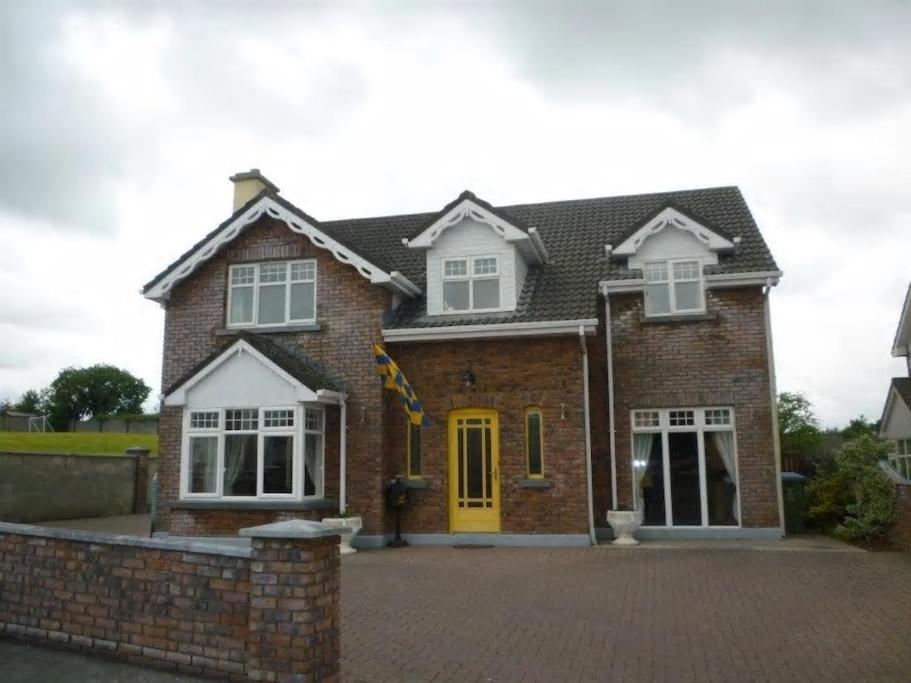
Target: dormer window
{"points": [[673, 287], [273, 293], [471, 284]]}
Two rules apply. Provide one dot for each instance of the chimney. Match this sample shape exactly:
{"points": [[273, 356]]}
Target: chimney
{"points": [[248, 184]]}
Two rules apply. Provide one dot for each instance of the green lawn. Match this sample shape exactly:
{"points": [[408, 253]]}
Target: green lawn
{"points": [[82, 443]]}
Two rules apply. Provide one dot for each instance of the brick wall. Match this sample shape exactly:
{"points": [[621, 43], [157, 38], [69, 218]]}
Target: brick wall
{"points": [[255, 614], [349, 311], [721, 361], [511, 375], [97, 486]]}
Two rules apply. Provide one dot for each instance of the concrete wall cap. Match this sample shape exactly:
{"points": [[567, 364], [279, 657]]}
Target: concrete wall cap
{"points": [[294, 528]]}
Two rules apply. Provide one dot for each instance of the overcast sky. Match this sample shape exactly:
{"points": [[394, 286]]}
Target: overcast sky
{"points": [[120, 123]]}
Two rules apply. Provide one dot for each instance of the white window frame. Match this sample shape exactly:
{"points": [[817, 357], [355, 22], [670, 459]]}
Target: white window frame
{"points": [[470, 278], [700, 427], [671, 281], [256, 287], [901, 457], [296, 432]]}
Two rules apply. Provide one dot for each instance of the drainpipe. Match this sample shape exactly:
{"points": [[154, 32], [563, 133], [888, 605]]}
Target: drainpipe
{"points": [[342, 452], [610, 400], [588, 436], [773, 390]]}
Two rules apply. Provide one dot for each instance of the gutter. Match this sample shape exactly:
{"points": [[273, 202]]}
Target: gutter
{"points": [[612, 432], [484, 331], [588, 436], [773, 391], [342, 454]]}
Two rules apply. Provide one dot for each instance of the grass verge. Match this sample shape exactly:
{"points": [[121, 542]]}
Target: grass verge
{"points": [[79, 443]]}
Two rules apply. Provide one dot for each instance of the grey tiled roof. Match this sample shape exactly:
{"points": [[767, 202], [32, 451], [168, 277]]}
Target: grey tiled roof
{"points": [[289, 358], [574, 233]]}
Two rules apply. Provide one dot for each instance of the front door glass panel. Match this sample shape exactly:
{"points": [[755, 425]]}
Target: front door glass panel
{"points": [[686, 501]]}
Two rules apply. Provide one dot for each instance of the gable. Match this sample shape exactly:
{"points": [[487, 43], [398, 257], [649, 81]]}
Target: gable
{"points": [[901, 346], [671, 242], [896, 422], [468, 208], [253, 371], [671, 219], [266, 204]]}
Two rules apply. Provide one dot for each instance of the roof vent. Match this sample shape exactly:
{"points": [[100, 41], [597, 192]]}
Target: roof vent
{"points": [[248, 184]]}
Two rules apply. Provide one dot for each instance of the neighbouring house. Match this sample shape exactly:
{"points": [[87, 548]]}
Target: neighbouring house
{"points": [[570, 356], [895, 424]]}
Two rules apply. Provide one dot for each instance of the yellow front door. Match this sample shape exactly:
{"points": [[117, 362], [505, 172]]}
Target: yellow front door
{"points": [[474, 476]]}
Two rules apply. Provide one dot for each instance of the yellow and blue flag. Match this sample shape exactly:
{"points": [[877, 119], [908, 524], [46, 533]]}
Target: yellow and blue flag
{"points": [[395, 380]]}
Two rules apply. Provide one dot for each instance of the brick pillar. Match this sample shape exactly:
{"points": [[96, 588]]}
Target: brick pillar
{"points": [[294, 602], [141, 482]]}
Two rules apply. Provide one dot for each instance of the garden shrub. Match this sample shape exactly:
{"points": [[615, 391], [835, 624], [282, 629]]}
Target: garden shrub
{"points": [[853, 497]]}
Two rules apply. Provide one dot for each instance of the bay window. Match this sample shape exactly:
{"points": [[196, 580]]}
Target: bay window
{"points": [[254, 453], [673, 287], [471, 284], [273, 293]]}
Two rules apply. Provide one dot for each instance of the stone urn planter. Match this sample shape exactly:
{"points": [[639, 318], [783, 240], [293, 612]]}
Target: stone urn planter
{"points": [[353, 524], [625, 524]]}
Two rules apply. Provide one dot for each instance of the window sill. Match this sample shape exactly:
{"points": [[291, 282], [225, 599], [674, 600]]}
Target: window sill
{"points": [[269, 329], [535, 484], [201, 504], [416, 483], [678, 318]]}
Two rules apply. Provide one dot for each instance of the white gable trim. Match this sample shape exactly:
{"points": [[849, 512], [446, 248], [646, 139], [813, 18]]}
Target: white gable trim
{"points": [[178, 396], [887, 412], [530, 245], [268, 206], [671, 218], [901, 346]]}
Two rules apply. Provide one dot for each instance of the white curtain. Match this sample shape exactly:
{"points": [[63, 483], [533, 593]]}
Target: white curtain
{"points": [[313, 464], [234, 460], [724, 442], [642, 451]]}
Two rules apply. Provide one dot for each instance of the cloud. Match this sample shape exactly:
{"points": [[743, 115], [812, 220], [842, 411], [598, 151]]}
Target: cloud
{"points": [[122, 121]]}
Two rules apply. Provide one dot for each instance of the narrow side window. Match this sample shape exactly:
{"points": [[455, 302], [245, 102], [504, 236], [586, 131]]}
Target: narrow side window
{"points": [[534, 442], [414, 450]]}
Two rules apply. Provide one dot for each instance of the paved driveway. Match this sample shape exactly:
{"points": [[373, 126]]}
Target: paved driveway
{"points": [[442, 614]]}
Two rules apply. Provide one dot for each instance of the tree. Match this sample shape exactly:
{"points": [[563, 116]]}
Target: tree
{"points": [[94, 391], [29, 402], [859, 426], [852, 496], [797, 426]]}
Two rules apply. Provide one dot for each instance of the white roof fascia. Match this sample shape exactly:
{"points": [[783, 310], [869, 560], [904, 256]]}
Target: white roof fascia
{"points": [[178, 396], [528, 329], [670, 217], [717, 281], [901, 345], [268, 206], [469, 209], [761, 278]]}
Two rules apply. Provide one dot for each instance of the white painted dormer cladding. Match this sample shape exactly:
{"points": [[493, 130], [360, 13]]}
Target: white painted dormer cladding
{"points": [[476, 261], [672, 251], [470, 268]]}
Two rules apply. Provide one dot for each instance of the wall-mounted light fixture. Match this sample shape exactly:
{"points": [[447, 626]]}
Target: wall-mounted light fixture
{"points": [[468, 378], [562, 411]]}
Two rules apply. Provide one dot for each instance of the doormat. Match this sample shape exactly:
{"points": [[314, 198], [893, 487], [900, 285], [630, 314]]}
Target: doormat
{"points": [[472, 546]]}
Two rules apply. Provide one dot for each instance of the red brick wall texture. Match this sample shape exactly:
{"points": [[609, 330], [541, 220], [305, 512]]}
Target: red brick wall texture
{"points": [[721, 360], [265, 618]]}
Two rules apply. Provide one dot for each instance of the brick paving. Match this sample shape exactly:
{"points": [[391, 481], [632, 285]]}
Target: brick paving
{"points": [[441, 614]]}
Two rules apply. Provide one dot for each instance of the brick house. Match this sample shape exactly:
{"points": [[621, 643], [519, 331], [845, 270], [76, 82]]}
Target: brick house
{"points": [[895, 424], [571, 357]]}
